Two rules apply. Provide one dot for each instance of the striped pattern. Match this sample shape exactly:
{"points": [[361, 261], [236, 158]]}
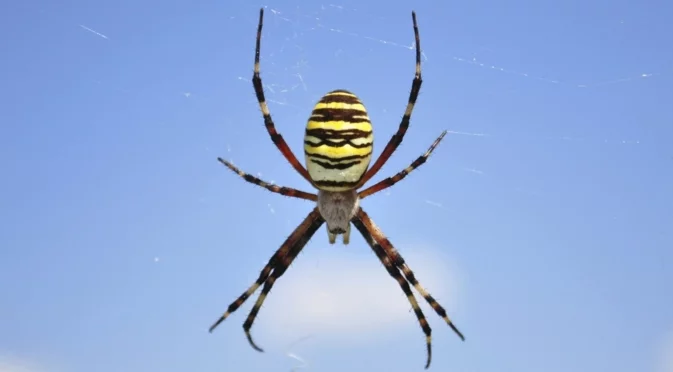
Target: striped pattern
{"points": [[276, 267], [339, 141], [287, 191], [395, 264], [390, 181]]}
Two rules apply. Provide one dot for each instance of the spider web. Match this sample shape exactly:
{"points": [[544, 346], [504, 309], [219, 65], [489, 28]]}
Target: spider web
{"points": [[530, 139], [288, 90]]}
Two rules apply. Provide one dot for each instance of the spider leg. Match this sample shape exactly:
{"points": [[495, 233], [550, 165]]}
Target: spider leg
{"points": [[268, 122], [386, 183], [395, 273], [395, 256], [287, 191], [397, 138], [284, 262], [276, 266]]}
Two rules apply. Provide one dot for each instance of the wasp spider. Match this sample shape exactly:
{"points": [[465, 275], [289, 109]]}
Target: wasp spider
{"points": [[338, 149]]}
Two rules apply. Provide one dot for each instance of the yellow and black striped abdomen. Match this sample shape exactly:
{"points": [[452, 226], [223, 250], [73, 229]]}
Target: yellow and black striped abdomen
{"points": [[338, 142]]}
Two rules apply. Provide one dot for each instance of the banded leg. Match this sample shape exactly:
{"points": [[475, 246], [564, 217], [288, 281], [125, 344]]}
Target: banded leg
{"points": [[276, 266], [386, 183], [268, 122], [278, 271], [395, 256], [395, 273], [287, 191], [397, 138]]}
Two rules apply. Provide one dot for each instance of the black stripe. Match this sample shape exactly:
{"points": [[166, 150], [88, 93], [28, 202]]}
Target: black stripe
{"points": [[322, 115], [330, 183], [345, 158], [341, 91], [347, 134], [329, 143], [332, 97], [340, 166], [348, 119]]}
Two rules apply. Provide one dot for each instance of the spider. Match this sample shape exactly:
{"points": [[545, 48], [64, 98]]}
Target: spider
{"points": [[338, 149]]}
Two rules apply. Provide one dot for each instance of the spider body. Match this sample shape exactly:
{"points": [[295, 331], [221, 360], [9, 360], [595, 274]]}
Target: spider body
{"points": [[338, 147], [338, 209], [338, 142]]}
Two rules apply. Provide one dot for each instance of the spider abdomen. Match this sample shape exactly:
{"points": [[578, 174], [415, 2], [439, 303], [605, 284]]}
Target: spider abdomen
{"points": [[338, 142]]}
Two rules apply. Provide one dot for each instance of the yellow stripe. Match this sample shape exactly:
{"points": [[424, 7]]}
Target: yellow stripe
{"points": [[340, 106], [339, 125], [340, 94], [337, 152]]}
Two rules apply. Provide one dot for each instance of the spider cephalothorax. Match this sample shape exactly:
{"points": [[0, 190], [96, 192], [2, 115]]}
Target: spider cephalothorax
{"points": [[338, 148]]}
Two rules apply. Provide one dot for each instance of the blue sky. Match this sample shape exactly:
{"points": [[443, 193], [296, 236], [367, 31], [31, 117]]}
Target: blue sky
{"points": [[542, 222]]}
